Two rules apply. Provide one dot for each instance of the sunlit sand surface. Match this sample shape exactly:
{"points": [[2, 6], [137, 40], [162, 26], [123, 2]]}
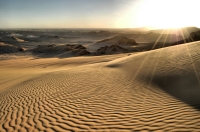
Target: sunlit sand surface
{"points": [[152, 91]]}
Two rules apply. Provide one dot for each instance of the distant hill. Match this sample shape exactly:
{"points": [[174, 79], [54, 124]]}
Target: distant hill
{"points": [[194, 36], [184, 32], [151, 37], [135, 30], [118, 40], [100, 33]]}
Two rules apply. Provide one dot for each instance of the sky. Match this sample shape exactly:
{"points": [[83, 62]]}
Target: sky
{"points": [[98, 13]]}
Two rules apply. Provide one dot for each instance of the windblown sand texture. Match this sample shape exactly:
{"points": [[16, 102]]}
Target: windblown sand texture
{"points": [[152, 91]]}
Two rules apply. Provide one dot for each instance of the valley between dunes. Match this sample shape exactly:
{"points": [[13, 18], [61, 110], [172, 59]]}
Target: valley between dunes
{"points": [[157, 90]]}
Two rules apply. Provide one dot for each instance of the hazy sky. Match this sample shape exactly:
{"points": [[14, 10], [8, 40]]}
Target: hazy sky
{"points": [[98, 13]]}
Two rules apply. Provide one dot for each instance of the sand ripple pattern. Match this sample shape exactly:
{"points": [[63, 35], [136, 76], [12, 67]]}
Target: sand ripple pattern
{"points": [[105, 97]]}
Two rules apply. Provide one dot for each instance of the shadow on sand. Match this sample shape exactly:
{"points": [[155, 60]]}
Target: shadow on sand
{"points": [[185, 88]]}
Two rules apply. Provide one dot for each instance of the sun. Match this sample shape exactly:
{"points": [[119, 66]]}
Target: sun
{"points": [[167, 13]]}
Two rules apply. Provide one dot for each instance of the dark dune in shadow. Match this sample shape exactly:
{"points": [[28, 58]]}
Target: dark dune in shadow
{"points": [[59, 51]]}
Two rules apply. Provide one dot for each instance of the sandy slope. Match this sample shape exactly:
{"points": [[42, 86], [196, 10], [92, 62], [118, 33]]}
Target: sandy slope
{"points": [[152, 91]]}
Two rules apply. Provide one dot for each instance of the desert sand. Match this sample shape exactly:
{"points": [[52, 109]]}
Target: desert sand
{"points": [[155, 90]]}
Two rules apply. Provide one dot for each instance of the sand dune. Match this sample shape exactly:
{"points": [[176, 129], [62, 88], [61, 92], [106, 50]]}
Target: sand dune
{"points": [[11, 39], [7, 48], [119, 40], [60, 49], [113, 49], [150, 91], [51, 48]]}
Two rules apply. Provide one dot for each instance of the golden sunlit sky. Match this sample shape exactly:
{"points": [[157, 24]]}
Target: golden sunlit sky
{"points": [[99, 13]]}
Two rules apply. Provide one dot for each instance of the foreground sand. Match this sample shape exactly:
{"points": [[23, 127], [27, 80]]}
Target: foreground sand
{"points": [[152, 91]]}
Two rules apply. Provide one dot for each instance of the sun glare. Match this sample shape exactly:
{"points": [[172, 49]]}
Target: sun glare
{"points": [[167, 13]]}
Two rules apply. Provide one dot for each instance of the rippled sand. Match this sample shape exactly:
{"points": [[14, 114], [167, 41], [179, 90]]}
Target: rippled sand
{"points": [[152, 91]]}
